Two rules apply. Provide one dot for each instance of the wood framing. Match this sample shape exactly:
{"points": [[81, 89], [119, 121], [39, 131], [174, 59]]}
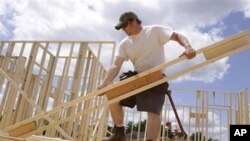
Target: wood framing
{"points": [[44, 74], [224, 46], [57, 82]]}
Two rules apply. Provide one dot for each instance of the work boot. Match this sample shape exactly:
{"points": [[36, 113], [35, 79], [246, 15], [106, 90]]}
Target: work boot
{"points": [[118, 135]]}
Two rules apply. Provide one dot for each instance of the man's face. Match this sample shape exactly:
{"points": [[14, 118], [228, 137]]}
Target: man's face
{"points": [[128, 29]]}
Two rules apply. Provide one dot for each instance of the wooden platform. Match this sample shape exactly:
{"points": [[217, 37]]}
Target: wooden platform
{"points": [[6, 137]]}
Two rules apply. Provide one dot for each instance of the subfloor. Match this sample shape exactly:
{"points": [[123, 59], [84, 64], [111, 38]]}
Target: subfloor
{"points": [[6, 137]]}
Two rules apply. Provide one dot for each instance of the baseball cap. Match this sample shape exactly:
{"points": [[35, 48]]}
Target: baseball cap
{"points": [[125, 18]]}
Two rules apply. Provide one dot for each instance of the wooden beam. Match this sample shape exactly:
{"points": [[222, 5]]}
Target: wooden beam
{"points": [[223, 47], [135, 84], [197, 115], [26, 128]]}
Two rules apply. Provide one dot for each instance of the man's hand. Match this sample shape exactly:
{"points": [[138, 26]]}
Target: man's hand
{"points": [[100, 87], [189, 53], [183, 41], [112, 72]]}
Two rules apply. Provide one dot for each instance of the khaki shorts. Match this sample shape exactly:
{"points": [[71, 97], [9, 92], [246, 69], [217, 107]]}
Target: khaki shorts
{"points": [[150, 100]]}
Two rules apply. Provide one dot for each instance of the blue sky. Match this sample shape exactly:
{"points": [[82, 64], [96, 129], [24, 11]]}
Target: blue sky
{"points": [[203, 22], [237, 76]]}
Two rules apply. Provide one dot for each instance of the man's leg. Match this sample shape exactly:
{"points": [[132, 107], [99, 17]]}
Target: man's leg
{"points": [[117, 113], [119, 130], [154, 124]]}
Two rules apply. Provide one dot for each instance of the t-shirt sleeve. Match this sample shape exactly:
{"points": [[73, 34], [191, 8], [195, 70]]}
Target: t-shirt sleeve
{"points": [[121, 51], [164, 33]]}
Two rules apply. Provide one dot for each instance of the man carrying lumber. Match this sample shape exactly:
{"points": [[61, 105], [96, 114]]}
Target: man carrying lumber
{"points": [[144, 47]]}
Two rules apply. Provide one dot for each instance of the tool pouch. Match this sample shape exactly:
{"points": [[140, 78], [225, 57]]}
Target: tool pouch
{"points": [[128, 74]]}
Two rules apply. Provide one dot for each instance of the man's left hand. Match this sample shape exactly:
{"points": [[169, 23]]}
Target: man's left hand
{"points": [[189, 53]]}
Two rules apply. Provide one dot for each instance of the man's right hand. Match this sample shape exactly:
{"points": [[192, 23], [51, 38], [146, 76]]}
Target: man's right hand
{"points": [[112, 72], [100, 87]]}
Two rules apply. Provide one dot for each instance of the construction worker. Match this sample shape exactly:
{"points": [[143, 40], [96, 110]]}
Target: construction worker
{"points": [[144, 47], [172, 130]]}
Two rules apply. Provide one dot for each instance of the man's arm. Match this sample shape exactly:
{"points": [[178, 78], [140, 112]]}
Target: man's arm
{"points": [[112, 72], [183, 41]]}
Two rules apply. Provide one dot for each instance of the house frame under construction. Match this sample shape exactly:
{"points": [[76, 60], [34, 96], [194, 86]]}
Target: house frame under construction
{"points": [[48, 90]]}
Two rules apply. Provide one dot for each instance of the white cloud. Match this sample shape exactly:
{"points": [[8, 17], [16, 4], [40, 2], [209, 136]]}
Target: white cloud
{"points": [[70, 20], [95, 20], [3, 10], [247, 9], [3, 30], [2, 7]]}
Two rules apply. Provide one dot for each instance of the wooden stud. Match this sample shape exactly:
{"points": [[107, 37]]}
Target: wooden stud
{"points": [[26, 83]]}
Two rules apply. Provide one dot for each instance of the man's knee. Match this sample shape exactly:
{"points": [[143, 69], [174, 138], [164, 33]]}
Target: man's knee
{"points": [[153, 115]]}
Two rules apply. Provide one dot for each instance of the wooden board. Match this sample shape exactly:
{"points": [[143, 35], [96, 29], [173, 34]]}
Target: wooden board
{"points": [[135, 84], [24, 129], [197, 115], [6, 137]]}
